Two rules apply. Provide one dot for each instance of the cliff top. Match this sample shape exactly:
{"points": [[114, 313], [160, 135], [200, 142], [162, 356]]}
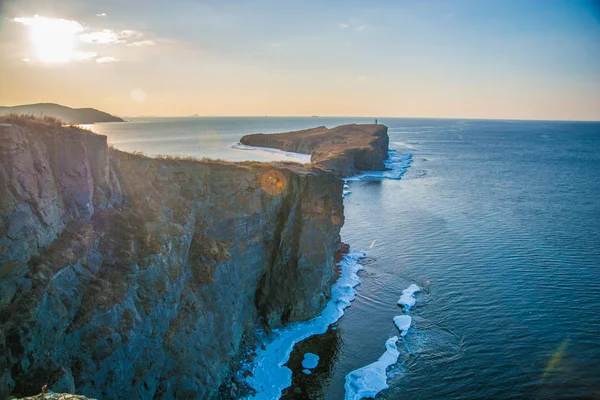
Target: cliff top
{"points": [[46, 125], [345, 149], [64, 113]]}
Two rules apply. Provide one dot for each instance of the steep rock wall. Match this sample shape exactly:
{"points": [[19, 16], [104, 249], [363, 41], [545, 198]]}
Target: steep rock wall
{"points": [[137, 277]]}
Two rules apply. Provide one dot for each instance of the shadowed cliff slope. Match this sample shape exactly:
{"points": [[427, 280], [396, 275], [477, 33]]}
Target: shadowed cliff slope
{"points": [[345, 149], [125, 276]]}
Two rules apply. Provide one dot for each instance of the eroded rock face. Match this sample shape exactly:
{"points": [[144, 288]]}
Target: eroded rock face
{"points": [[124, 276], [345, 149]]}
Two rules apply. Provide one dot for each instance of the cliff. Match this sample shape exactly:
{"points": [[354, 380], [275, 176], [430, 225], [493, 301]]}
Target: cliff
{"points": [[67, 114], [124, 276], [345, 149]]}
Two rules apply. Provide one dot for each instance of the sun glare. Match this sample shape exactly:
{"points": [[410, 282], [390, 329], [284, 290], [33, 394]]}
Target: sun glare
{"points": [[54, 39]]}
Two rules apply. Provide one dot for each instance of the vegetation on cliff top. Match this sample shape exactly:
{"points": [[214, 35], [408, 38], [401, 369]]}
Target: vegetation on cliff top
{"points": [[67, 114], [43, 122]]}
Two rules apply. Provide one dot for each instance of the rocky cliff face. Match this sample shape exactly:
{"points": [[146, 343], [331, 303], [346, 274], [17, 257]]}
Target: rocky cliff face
{"points": [[123, 276], [345, 149]]}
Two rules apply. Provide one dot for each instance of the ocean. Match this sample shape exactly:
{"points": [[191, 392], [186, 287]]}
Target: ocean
{"points": [[498, 223]]}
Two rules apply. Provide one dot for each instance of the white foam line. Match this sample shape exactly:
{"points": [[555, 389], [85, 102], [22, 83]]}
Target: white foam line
{"points": [[300, 157], [396, 165], [372, 379], [269, 375]]}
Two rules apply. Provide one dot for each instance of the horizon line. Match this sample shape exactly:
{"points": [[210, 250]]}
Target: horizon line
{"points": [[366, 117]]}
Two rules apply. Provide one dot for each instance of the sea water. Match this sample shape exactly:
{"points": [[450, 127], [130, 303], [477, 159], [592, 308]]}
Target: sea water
{"points": [[498, 224]]}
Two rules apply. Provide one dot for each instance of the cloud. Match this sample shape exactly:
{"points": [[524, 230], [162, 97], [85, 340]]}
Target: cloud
{"points": [[142, 43], [353, 25], [101, 15], [57, 40], [107, 36], [363, 78], [130, 34], [85, 56], [59, 25], [54, 40], [275, 44], [102, 37], [103, 60], [449, 15]]}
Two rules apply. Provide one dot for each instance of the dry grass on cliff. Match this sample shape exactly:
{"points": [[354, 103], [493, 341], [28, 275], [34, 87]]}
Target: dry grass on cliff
{"points": [[30, 120], [220, 161], [37, 122], [210, 161]]}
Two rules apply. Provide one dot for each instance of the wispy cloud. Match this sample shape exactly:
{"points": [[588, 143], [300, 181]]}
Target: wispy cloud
{"points": [[275, 44], [449, 15], [57, 40], [42, 25], [86, 56], [104, 60], [354, 25], [101, 15], [107, 36], [130, 34], [141, 43], [102, 37], [363, 78]]}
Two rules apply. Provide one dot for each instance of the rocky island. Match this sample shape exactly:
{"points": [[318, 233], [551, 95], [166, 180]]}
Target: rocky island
{"points": [[345, 149], [126, 276]]}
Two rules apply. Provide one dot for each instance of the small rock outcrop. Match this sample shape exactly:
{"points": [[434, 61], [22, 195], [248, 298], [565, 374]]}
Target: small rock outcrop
{"points": [[345, 149], [123, 276], [50, 395]]}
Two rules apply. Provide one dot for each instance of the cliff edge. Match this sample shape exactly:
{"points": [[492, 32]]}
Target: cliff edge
{"points": [[345, 149], [124, 276]]}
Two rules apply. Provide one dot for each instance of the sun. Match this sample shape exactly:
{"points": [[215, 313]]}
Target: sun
{"points": [[54, 39]]}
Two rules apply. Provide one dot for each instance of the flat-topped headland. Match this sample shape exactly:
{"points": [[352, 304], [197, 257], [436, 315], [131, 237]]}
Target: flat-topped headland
{"points": [[345, 149]]}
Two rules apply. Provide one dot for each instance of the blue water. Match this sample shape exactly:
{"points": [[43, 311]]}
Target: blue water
{"points": [[497, 221]]}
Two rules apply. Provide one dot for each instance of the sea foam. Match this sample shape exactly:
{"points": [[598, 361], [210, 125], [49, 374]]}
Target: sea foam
{"points": [[269, 375], [396, 165], [372, 379], [407, 300], [299, 157], [403, 323]]}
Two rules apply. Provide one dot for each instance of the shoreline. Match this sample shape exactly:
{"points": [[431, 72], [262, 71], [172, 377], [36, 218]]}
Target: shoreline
{"points": [[268, 374]]}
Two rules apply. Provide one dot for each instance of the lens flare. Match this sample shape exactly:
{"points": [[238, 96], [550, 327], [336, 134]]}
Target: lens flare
{"points": [[273, 182]]}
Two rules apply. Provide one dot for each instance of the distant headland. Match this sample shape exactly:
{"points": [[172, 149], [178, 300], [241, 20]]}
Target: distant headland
{"points": [[345, 149], [66, 114]]}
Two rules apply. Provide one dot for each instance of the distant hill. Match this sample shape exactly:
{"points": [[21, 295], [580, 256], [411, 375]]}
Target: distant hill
{"points": [[66, 114]]}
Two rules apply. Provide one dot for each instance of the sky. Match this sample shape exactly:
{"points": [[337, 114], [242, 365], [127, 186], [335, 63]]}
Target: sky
{"points": [[503, 59]]}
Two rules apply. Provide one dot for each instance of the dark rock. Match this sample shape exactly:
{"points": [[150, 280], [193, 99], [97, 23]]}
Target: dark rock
{"points": [[131, 277]]}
